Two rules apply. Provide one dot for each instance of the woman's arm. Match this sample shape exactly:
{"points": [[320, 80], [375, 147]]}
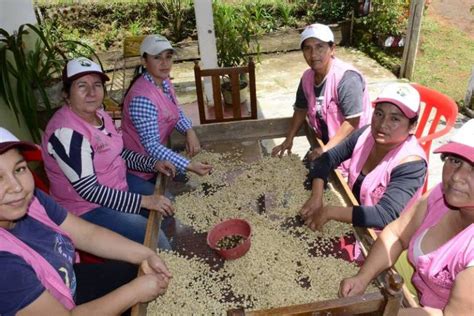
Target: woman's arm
{"points": [[313, 212], [140, 290], [405, 180], [107, 244], [386, 250], [75, 159], [144, 117], [299, 116]]}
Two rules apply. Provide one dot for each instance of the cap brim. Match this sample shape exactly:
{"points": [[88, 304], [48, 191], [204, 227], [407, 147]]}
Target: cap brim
{"points": [[405, 110], [159, 51], [22, 146], [103, 76], [458, 149]]}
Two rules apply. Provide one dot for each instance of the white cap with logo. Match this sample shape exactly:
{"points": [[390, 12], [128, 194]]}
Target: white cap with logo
{"points": [[320, 31], [403, 95], [78, 67], [154, 45]]}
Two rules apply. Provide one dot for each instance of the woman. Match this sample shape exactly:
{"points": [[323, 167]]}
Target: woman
{"points": [[332, 94], [87, 165], [387, 168], [439, 234], [37, 256], [151, 110]]}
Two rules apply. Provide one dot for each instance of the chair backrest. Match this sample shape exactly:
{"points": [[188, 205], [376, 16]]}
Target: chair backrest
{"points": [[436, 106], [130, 58], [39, 175], [239, 109]]}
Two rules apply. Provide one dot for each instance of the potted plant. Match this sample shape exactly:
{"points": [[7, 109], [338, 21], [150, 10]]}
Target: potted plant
{"points": [[236, 38], [29, 64]]}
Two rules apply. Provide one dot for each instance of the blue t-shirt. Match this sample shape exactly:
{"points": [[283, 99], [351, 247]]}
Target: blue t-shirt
{"points": [[19, 285]]}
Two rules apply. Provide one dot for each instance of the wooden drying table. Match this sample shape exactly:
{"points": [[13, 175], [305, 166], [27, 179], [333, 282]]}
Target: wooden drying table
{"points": [[246, 136]]}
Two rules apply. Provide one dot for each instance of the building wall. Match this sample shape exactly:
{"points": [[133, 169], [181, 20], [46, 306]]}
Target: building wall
{"points": [[13, 13]]}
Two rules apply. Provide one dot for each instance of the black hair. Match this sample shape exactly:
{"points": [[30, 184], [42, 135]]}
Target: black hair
{"points": [[137, 72], [413, 120]]}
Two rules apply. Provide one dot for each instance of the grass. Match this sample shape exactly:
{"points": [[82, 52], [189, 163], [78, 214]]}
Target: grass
{"points": [[445, 59]]}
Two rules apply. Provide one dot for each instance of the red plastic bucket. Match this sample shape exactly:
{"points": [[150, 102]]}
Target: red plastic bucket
{"points": [[226, 228]]}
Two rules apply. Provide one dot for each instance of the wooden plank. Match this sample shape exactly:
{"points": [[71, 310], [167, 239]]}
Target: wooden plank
{"points": [[217, 94], [151, 238], [200, 96], [342, 306], [239, 130], [252, 90], [235, 88]]}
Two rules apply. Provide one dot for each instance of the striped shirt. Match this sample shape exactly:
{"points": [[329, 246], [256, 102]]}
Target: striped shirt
{"points": [[74, 155], [144, 117]]}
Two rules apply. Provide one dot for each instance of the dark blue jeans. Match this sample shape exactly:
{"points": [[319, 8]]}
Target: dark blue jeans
{"points": [[132, 226]]}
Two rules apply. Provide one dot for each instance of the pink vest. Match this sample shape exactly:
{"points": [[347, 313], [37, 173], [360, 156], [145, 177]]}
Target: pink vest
{"points": [[109, 166], [330, 110], [375, 183], [168, 116], [47, 275], [436, 271]]}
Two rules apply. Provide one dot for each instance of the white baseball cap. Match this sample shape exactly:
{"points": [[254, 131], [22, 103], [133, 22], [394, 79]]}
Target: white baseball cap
{"points": [[155, 44], [403, 95], [320, 31], [78, 67], [462, 142], [9, 141]]}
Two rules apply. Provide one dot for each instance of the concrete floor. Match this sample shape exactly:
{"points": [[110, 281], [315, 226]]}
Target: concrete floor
{"points": [[277, 78]]}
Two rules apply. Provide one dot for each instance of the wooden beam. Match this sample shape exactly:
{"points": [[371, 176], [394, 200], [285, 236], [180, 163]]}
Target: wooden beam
{"points": [[340, 306], [239, 130], [412, 39]]}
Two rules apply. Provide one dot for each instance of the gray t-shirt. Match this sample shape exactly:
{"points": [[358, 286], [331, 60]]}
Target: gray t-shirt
{"points": [[350, 94]]}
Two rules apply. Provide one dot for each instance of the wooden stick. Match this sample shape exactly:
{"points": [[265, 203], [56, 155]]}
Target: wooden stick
{"points": [[151, 237]]}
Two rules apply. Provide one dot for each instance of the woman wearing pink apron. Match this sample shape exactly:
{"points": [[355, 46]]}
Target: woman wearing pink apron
{"points": [[332, 95], [151, 111], [387, 165], [39, 273], [439, 234]]}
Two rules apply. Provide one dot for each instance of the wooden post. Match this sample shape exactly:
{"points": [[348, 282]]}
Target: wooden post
{"points": [[469, 98], [412, 39]]}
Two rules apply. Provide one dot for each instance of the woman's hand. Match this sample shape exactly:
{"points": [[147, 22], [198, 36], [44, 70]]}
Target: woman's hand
{"points": [[159, 203], [148, 287], [165, 167], [193, 147], [352, 286], [199, 168], [280, 149], [318, 218], [311, 206], [154, 265], [316, 153]]}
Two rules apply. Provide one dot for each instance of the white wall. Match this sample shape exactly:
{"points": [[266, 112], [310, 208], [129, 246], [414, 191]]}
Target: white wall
{"points": [[13, 13]]}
